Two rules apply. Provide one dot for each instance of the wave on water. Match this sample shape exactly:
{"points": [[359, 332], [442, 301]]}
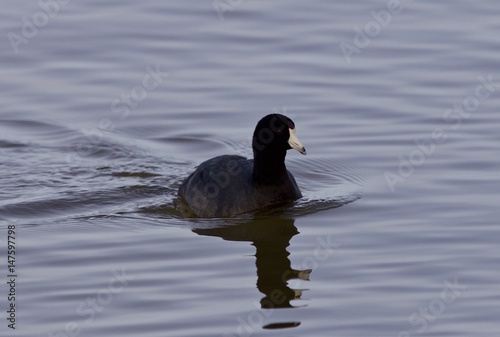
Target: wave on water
{"points": [[121, 178]]}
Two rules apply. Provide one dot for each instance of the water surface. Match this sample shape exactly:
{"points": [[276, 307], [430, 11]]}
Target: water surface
{"points": [[108, 106]]}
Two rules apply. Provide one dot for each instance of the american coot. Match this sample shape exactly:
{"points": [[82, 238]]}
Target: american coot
{"points": [[229, 185]]}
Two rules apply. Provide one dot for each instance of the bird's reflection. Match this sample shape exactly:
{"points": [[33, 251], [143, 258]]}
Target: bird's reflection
{"points": [[271, 237]]}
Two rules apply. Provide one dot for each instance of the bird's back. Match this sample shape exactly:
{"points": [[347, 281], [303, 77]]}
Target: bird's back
{"points": [[224, 186]]}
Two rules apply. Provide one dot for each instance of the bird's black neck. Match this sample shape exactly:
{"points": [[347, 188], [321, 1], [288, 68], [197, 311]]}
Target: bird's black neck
{"points": [[269, 168]]}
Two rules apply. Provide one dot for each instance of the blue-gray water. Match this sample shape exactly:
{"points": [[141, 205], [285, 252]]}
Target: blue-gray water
{"points": [[401, 128]]}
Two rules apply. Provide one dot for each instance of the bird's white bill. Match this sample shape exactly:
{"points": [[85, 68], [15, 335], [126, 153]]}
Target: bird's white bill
{"points": [[295, 143]]}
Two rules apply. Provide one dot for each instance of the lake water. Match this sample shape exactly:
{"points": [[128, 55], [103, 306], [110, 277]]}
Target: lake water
{"points": [[106, 106]]}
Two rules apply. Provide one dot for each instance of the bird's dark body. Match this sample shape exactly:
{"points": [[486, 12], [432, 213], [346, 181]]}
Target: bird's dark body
{"points": [[205, 189], [228, 185]]}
